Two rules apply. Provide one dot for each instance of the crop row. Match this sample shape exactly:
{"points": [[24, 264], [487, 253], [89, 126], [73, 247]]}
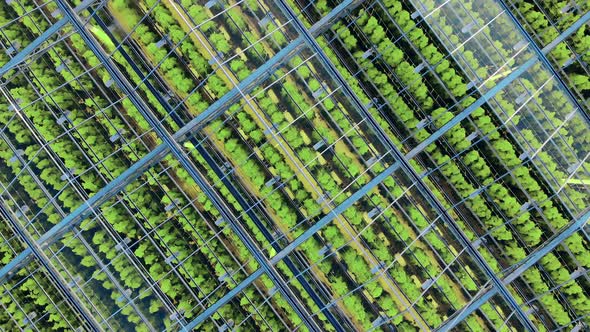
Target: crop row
{"points": [[385, 125], [327, 180], [31, 291], [544, 20], [387, 56], [551, 215], [242, 140], [165, 233], [340, 122], [253, 170]]}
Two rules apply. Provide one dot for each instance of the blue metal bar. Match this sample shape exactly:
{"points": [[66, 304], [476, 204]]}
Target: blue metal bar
{"points": [[384, 138], [222, 207], [542, 53], [189, 166], [53, 273], [466, 311], [222, 301], [382, 176], [158, 153], [86, 209], [150, 159], [517, 270], [451, 322], [476, 104], [224, 179], [267, 69], [550, 244], [300, 239], [20, 57], [281, 285]]}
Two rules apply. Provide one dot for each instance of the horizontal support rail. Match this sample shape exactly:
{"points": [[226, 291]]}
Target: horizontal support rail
{"points": [[159, 152], [542, 53], [295, 243]]}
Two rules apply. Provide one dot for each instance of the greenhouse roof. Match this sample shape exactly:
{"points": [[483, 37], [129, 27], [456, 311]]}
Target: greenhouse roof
{"points": [[326, 165]]}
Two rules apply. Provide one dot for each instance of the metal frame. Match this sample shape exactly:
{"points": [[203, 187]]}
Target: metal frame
{"points": [[172, 144], [459, 234], [372, 184], [20, 57], [53, 273], [517, 269], [542, 53]]}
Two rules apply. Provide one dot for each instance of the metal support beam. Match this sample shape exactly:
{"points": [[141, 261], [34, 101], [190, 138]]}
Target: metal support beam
{"points": [[151, 159], [542, 53], [109, 190], [53, 274], [436, 204], [230, 186], [293, 245], [384, 138], [217, 108], [225, 180], [373, 183], [191, 169], [20, 56], [516, 270], [459, 316], [159, 152]]}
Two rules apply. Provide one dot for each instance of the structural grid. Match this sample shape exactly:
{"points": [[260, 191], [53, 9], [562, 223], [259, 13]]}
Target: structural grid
{"points": [[285, 165]]}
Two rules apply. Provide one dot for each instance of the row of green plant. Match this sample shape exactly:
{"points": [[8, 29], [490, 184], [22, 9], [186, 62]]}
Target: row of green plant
{"points": [[233, 143], [239, 153], [33, 150], [33, 293], [573, 134], [390, 53], [546, 28], [253, 170], [166, 232], [538, 232], [551, 212], [531, 189], [554, 102], [158, 13], [338, 113], [416, 121], [325, 175]]}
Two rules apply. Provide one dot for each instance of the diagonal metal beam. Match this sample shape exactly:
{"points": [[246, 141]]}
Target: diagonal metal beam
{"points": [[205, 154], [368, 187], [386, 140], [191, 169], [542, 53], [200, 179], [293, 245], [85, 210], [159, 152], [231, 187], [515, 271], [154, 156], [53, 274], [53, 29]]}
